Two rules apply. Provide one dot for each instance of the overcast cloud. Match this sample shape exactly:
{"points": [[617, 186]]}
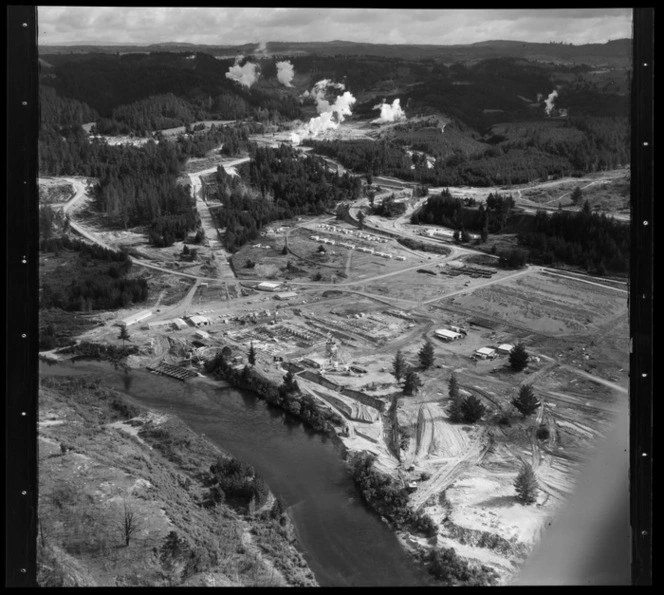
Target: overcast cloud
{"points": [[235, 26]]}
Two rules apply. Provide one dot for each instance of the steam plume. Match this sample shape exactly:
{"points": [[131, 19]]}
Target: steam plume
{"points": [[331, 114], [246, 75], [261, 49], [285, 73], [391, 113], [549, 102]]}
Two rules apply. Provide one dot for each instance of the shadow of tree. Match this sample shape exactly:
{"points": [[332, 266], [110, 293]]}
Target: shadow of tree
{"points": [[498, 501]]}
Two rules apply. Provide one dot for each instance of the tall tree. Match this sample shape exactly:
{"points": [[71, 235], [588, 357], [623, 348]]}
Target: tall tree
{"points": [[426, 355], [454, 410], [526, 402], [472, 409], [124, 335], [412, 382], [526, 485], [577, 195], [129, 524], [399, 365], [518, 357], [251, 356], [586, 210]]}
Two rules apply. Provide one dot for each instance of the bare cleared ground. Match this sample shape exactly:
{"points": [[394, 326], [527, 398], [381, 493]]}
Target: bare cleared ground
{"points": [[608, 193]]}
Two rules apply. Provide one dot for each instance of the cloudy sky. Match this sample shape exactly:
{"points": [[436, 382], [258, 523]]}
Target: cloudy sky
{"points": [[235, 26]]}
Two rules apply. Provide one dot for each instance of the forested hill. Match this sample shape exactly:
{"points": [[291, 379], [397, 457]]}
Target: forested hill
{"points": [[615, 53], [114, 85], [147, 91]]}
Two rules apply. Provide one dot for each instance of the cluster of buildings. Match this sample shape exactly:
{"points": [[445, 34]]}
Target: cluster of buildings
{"points": [[350, 246], [347, 232], [176, 324], [492, 353], [455, 333]]}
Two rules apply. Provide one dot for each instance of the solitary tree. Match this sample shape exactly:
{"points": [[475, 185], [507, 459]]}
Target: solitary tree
{"points": [[284, 250], [412, 382], [518, 357], [399, 365], [527, 403], [577, 195], [456, 235], [361, 217], [453, 390], [290, 384], [124, 335], [251, 356], [472, 409], [526, 485], [426, 355], [129, 524], [586, 210]]}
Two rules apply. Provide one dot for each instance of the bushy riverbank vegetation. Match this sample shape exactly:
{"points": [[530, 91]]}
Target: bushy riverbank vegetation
{"points": [[387, 497], [286, 396]]}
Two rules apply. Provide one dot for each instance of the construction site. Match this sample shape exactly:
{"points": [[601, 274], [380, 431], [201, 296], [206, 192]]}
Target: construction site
{"points": [[333, 301]]}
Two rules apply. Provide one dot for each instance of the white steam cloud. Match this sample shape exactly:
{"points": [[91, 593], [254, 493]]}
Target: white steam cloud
{"points": [[285, 73], [549, 102], [318, 93], [391, 113], [246, 75], [331, 114], [261, 49]]}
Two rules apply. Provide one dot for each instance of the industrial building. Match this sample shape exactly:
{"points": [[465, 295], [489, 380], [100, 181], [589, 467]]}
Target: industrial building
{"points": [[268, 286], [178, 324], [134, 318], [198, 320], [447, 335], [286, 295], [505, 348], [486, 353]]}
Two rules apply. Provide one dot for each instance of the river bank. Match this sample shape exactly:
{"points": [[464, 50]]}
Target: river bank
{"points": [[343, 542], [103, 460], [415, 532], [383, 493]]}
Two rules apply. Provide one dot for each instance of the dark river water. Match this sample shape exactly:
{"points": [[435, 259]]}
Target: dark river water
{"points": [[344, 542]]}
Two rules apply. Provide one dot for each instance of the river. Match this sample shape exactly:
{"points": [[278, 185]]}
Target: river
{"points": [[344, 542]]}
